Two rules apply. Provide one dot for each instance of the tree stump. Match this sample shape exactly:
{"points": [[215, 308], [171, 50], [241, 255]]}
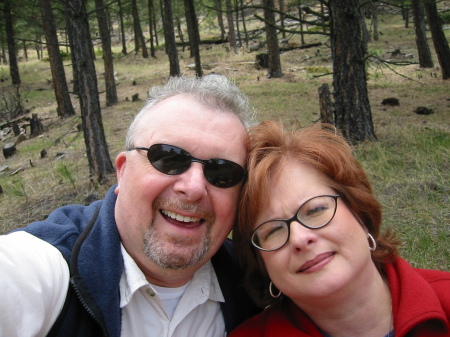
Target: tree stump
{"points": [[262, 61], [326, 105], [421, 110], [16, 129], [392, 101], [9, 149], [36, 127]]}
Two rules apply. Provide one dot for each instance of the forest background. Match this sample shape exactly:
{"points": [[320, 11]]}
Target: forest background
{"points": [[409, 164]]}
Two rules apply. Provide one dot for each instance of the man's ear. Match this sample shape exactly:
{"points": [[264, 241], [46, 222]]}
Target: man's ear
{"points": [[121, 161]]}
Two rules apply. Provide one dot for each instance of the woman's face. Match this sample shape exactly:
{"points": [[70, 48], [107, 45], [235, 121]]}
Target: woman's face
{"points": [[315, 263]]}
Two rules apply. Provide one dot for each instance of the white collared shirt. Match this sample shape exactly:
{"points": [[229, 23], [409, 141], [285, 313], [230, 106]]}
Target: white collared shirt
{"points": [[198, 312], [35, 276]]}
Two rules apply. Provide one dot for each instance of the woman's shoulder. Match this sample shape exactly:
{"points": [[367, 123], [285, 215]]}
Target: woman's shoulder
{"points": [[440, 282], [283, 319], [435, 276], [254, 326]]}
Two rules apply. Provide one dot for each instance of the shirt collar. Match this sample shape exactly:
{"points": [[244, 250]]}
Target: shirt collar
{"points": [[204, 282]]}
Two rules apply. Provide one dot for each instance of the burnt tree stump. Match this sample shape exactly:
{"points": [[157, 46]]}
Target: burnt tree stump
{"points": [[326, 105], [9, 149], [16, 129], [262, 61], [36, 127]]}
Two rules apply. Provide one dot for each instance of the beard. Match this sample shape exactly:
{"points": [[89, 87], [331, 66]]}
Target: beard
{"points": [[160, 248], [155, 248]]}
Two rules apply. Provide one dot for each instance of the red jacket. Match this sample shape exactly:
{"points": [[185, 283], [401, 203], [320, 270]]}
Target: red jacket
{"points": [[420, 304]]}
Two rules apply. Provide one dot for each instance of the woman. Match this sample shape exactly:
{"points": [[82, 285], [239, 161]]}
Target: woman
{"points": [[309, 239]]}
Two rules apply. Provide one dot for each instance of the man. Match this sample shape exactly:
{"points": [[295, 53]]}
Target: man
{"points": [[150, 259]]}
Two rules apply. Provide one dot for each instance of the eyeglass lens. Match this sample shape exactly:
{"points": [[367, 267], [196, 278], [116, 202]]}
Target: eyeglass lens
{"points": [[173, 160], [315, 213]]}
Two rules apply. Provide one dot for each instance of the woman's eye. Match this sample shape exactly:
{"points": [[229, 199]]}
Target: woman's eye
{"points": [[271, 232], [316, 210]]}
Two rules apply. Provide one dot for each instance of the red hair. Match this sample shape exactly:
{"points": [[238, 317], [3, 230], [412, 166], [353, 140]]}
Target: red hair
{"points": [[270, 145]]}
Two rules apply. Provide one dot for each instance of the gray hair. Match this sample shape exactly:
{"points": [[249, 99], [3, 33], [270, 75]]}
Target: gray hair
{"points": [[214, 91]]}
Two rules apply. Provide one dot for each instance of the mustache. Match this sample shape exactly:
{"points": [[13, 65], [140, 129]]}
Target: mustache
{"points": [[173, 204]]}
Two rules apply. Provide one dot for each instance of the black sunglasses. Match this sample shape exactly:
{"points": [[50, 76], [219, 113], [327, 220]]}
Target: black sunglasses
{"points": [[172, 160]]}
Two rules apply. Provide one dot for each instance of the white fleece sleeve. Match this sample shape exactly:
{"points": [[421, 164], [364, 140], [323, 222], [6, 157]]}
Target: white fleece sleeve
{"points": [[33, 285]]}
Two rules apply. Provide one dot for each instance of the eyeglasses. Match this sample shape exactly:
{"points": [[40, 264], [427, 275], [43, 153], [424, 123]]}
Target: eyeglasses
{"points": [[172, 160], [314, 213]]}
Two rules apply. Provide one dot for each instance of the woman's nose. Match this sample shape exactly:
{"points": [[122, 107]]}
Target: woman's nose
{"points": [[301, 238]]}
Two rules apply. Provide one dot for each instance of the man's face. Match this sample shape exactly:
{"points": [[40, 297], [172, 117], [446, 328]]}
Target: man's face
{"points": [[177, 222]]}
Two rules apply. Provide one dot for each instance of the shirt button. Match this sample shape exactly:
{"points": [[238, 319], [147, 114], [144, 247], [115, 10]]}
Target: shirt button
{"points": [[150, 292]]}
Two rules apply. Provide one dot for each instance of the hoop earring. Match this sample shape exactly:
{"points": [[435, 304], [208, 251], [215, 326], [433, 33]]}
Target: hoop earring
{"points": [[372, 246], [271, 292]]}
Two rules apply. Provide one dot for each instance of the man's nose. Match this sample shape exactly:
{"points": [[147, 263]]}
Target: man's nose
{"points": [[192, 183]]}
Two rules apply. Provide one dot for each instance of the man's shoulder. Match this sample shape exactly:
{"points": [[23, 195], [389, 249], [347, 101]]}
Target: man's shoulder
{"points": [[62, 227]]}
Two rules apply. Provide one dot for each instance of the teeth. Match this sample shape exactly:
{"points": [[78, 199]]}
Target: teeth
{"points": [[179, 217]]}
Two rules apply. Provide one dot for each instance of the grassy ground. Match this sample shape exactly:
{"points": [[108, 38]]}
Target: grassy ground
{"points": [[409, 165]]}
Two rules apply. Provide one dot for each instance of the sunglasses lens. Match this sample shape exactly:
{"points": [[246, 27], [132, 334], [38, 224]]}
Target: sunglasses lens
{"points": [[169, 159], [223, 173], [172, 160]]}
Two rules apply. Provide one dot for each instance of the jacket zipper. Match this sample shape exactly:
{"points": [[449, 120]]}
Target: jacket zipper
{"points": [[86, 307]]}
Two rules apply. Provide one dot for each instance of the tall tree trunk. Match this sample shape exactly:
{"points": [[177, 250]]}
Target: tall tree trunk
{"points": [[437, 34], [25, 50], [323, 14], [155, 28], [161, 7], [281, 5], [273, 50], [376, 35], [122, 28], [151, 20], [170, 39], [94, 136], [110, 82], [425, 59], [63, 100], [189, 25], [231, 33], [363, 25], [244, 26], [13, 65], [218, 4], [194, 34], [2, 44], [238, 30], [353, 114], [139, 35], [76, 86], [301, 16], [181, 36], [37, 46], [405, 13]]}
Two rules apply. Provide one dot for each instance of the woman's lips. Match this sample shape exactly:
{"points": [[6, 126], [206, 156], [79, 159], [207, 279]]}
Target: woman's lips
{"points": [[316, 262]]}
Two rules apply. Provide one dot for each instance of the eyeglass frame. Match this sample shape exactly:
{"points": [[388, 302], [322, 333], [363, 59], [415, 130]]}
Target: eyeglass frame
{"points": [[292, 219], [192, 159]]}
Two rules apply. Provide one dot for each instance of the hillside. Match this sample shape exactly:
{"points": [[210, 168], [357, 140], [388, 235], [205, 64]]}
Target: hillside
{"points": [[409, 165]]}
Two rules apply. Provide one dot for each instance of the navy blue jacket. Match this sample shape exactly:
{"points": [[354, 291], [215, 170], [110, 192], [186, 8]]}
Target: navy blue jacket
{"points": [[88, 238]]}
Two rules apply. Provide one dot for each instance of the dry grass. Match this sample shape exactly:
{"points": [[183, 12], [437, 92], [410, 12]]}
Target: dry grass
{"points": [[409, 165]]}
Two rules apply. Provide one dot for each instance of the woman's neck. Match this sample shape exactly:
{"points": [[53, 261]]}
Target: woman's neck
{"points": [[360, 310]]}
